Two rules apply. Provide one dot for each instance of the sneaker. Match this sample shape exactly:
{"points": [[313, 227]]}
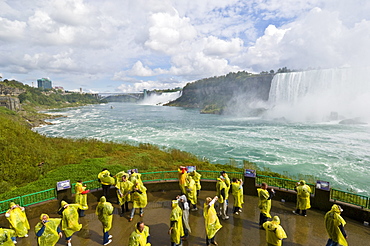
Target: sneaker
{"points": [[236, 213], [194, 209], [305, 215], [226, 218], [215, 243], [130, 219], [15, 242], [110, 240], [110, 236], [294, 212], [240, 211], [141, 215], [26, 235], [69, 244]]}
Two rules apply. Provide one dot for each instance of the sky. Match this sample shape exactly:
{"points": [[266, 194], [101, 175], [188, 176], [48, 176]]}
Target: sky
{"points": [[127, 46]]}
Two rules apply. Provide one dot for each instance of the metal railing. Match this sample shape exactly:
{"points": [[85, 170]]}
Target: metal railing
{"points": [[50, 194], [281, 183], [351, 198], [29, 199]]}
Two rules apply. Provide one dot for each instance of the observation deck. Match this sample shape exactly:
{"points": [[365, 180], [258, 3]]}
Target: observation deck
{"points": [[239, 229]]}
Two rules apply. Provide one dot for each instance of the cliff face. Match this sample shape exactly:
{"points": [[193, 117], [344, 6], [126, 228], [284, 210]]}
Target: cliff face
{"points": [[220, 94]]}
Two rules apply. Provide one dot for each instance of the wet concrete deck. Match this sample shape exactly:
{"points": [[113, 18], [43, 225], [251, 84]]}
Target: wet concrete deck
{"points": [[238, 230]]}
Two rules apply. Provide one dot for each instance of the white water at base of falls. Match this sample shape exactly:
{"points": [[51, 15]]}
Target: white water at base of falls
{"points": [[160, 99], [316, 95]]}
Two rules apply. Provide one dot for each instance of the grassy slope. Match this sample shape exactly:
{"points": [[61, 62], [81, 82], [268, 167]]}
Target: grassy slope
{"points": [[21, 150]]}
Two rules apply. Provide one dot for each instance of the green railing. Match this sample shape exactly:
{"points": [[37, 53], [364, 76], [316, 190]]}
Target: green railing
{"points": [[281, 183], [90, 185], [336, 195], [347, 197], [29, 199], [213, 175]]}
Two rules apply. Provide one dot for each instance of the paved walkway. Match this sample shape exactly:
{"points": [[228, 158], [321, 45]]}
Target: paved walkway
{"points": [[238, 230]]}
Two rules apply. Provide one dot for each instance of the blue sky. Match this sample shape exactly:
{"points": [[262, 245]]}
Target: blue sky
{"points": [[128, 46]]}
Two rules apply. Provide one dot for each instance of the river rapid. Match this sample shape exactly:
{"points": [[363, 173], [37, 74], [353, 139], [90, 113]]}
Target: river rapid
{"points": [[329, 151]]}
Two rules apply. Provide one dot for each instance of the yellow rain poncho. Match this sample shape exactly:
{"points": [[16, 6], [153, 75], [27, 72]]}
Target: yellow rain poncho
{"points": [[50, 236], [212, 223], [227, 182], [332, 222], [18, 220], [219, 186], [237, 192], [191, 190], [70, 218], [104, 211], [119, 176], [139, 198], [135, 177], [138, 238], [303, 196], [274, 232], [6, 237], [81, 198], [263, 203], [176, 220], [105, 178], [182, 179], [124, 188], [196, 176]]}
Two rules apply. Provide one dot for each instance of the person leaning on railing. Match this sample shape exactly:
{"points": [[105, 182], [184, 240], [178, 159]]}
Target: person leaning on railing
{"points": [[106, 181], [303, 198]]}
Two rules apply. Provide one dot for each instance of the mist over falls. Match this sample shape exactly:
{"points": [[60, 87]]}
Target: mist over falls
{"points": [[320, 95]]}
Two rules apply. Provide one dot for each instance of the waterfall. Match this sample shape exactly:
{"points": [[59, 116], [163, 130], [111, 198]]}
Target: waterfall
{"points": [[160, 99], [320, 95]]}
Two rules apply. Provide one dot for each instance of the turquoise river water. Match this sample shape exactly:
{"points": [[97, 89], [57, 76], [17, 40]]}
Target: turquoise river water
{"points": [[329, 151]]}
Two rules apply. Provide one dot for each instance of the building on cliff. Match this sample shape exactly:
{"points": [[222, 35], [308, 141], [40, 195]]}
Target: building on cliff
{"points": [[44, 83]]}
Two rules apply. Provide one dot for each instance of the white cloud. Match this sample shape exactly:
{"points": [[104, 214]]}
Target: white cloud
{"points": [[101, 42], [11, 30]]}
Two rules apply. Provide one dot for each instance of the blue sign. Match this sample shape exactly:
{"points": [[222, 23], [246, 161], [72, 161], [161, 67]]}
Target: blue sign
{"points": [[63, 185], [250, 173], [322, 185]]}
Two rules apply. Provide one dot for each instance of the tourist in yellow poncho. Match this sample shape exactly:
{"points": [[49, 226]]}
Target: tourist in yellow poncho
{"points": [[106, 181], [264, 202], [176, 228], [182, 179], [221, 194], [81, 197], [191, 192], [228, 184], [135, 176], [70, 223], [274, 232], [48, 231], [334, 224], [17, 218], [211, 221], [104, 211], [7, 237], [237, 192], [196, 176], [139, 198], [303, 198], [124, 186], [141, 236]]}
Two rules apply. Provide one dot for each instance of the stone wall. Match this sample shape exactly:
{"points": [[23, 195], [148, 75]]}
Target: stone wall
{"points": [[11, 103]]}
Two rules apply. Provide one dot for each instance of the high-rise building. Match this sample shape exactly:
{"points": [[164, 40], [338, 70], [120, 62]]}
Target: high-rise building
{"points": [[44, 83]]}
